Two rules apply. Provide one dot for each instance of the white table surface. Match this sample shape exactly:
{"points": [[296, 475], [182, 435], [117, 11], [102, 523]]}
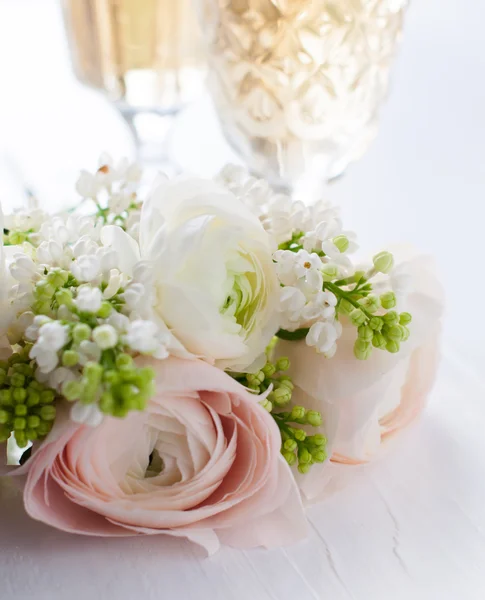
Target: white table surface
{"points": [[413, 524]]}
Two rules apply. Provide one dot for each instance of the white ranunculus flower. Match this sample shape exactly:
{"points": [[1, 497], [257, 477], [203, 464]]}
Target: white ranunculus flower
{"points": [[212, 276]]}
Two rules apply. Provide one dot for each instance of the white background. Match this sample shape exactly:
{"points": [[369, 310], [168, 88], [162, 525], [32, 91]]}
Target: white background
{"points": [[413, 524]]}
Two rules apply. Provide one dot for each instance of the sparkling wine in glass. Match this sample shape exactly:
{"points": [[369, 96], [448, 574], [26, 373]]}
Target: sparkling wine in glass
{"points": [[145, 56]]}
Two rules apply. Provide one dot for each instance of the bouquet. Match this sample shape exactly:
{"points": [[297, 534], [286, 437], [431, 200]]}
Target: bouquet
{"points": [[200, 359]]}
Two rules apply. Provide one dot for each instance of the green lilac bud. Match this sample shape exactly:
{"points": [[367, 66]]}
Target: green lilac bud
{"points": [[6, 397], [319, 456], [17, 380], [346, 307], [304, 456], [106, 402], [283, 363], [405, 333], [255, 378], [303, 468], [281, 396], [394, 333], [376, 324], [64, 298], [21, 439], [379, 341], [20, 410], [105, 310], [318, 439], [19, 395], [342, 243], [269, 369], [124, 360], [290, 445], [383, 262], [47, 413], [392, 346], [57, 277], [4, 416], [366, 333], [357, 317], [70, 358], [72, 390], [290, 457], [371, 303], [330, 272], [297, 413], [267, 405], [314, 418], [299, 434], [33, 421], [286, 382], [405, 318], [19, 423], [388, 300], [362, 350], [391, 318], [81, 332], [47, 397], [43, 289]]}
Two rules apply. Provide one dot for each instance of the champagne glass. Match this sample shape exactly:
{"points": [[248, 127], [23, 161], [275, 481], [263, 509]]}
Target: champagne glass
{"points": [[298, 83], [145, 56]]}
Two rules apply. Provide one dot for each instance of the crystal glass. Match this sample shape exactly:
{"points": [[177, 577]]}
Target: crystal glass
{"points": [[144, 55], [298, 84]]}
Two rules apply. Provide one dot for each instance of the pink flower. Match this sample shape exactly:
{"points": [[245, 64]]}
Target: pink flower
{"points": [[364, 403], [201, 462]]}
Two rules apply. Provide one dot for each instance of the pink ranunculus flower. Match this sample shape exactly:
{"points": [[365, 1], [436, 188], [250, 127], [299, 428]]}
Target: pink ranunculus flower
{"points": [[363, 403], [203, 462]]}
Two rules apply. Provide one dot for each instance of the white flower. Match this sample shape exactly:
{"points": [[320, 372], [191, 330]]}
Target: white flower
{"points": [[32, 332], [114, 284], [321, 307], [88, 299], [133, 295], [145, 337], [46, 359], [86, 414], [323, 336], [214, 283], [59, 376], [105, 336], [53, 335], [23, 268], [88, 352], [85, 245], [86, 268], [54, 254]]}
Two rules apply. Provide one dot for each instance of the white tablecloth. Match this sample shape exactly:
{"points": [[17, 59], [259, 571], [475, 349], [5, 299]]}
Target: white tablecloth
{"points": [[413, 524]]}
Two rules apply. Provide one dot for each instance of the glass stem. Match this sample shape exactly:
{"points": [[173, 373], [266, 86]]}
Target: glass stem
{"points": [[152, 134]]}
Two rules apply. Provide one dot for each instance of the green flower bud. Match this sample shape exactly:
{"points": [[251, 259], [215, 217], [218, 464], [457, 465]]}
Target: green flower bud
{"points": [[33, 398], [297, 413], [319, 456], [19, 395], [64, 298], [392, 346], [299, 434], [405, 318], [376, 324], [4, 433], [290, 445], [19, 423], [290, 457], [304, 468], [20, 410], [70, 358], [281, 396], [72, 390], [269, 369], [314, 418], [371, 303], [6, 397], [47, 413], [304, 456], [17, 380], [124, 360], [379, 341], [47, 397], [44, 290], [57, 277], [105, 310], [286, 382], [318, 439], [4, 416], [342, 243], [255, 378], [391, 318], [267, 405], [21, 439], [394, 333], [345, 307], [362, 350], [330, 272], [283, 363], [383, 262], [357, 317], [405, 333], [33, 421], [93, 373], [388, 300], [106, 403], [81, 332], [366, 333]]}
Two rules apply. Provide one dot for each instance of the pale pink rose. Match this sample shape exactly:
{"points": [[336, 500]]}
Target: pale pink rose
{"points": [[223, 479], [363, 403]]}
